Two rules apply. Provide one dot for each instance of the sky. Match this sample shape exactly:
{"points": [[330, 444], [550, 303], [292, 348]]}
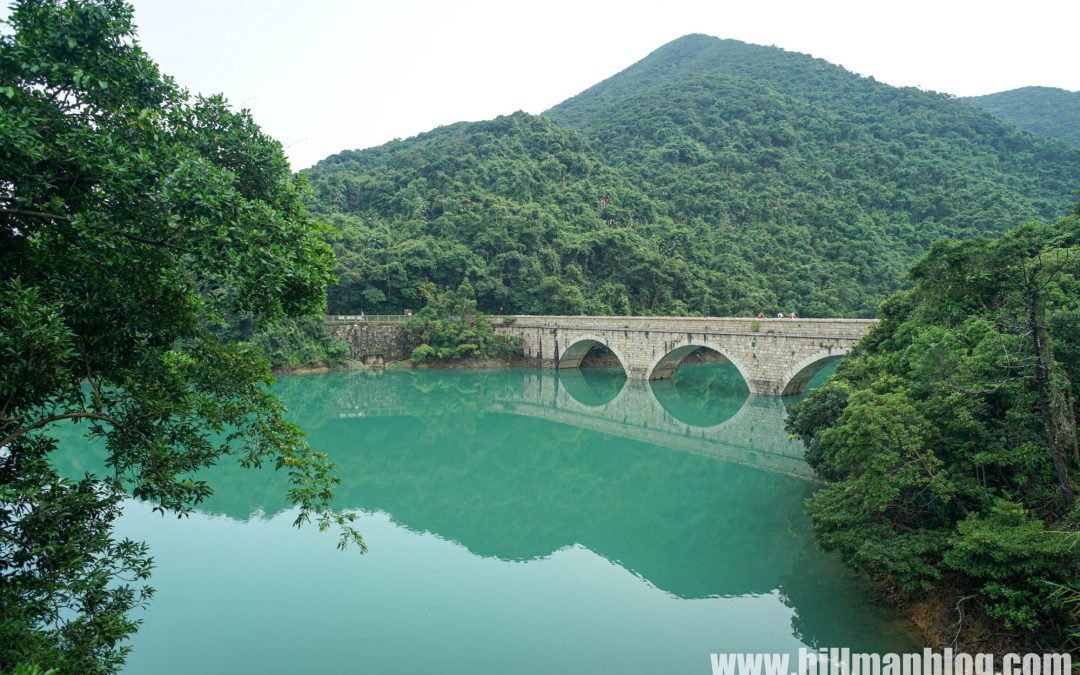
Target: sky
{"points": [[323, 76]]}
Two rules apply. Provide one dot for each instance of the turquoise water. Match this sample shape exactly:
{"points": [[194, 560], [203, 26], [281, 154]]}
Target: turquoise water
{"points": [[518, 521]]}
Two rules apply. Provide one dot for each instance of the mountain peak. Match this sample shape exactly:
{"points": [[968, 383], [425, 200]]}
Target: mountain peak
{"points": [[696, 56]]}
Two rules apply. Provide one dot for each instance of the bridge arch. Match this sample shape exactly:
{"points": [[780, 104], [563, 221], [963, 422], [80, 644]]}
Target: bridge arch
{"points": [[664, 367], [572, 356], [797, 377]]}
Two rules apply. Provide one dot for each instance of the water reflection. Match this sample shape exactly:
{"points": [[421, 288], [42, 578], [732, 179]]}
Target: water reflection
{"points": [[693, 486], [592, 387], [520, 490], [702, 394], [514, 464], [365, 419]]}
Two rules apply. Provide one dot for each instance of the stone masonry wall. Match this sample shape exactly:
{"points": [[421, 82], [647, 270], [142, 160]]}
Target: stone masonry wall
{"points": [[372, 342]]}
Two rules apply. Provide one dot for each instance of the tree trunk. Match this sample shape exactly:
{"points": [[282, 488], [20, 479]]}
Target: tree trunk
{"points": [[1058, 421]]}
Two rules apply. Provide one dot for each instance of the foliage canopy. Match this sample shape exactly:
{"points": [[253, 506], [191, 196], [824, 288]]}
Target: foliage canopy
{"points": [[948, 438], [1047, 111], [134, 220], [713, 177], [449, 327]]}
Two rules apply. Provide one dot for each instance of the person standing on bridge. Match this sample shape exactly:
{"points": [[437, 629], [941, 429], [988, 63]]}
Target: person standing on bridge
{"points": [[779, 315], [760, 315], [792, 316]]}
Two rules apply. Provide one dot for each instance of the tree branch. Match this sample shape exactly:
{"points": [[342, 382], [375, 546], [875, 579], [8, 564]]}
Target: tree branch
{"points": [[40, 215], [56, 418]]}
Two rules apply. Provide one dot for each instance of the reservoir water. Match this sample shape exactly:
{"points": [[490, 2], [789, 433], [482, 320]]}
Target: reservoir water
{"points": [[519, 521]]}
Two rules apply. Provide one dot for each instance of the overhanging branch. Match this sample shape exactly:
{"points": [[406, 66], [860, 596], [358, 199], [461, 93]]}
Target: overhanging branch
{"points": [[56, 418]]}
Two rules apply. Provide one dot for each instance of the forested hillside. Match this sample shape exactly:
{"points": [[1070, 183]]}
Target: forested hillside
{"points": [[526, 210], [712, 177], [1047, 111]]}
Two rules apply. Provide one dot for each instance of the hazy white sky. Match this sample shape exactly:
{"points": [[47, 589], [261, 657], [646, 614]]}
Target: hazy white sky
{"points": [[327, 75]]}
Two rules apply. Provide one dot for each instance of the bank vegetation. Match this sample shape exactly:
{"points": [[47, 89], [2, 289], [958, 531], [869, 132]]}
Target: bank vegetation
{"points": [[948, 443]]}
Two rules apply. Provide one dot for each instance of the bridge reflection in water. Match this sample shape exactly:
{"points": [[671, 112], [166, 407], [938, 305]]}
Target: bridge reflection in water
{"points": [[706, 409]]}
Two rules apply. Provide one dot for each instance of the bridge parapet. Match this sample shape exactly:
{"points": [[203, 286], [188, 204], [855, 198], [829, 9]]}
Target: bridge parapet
{"points": [[696, 324]]}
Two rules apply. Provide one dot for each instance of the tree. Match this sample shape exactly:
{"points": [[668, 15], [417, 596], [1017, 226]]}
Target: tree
{"points": [[449, 327], [135, 219], [948, 440]]}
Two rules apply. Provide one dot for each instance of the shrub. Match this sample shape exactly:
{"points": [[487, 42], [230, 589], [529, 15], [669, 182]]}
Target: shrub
{"points": [[449, 327]]}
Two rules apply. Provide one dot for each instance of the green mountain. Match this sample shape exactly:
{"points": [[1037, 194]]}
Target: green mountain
{"points": [[1047, 111], [525, 209], [711, 177]]}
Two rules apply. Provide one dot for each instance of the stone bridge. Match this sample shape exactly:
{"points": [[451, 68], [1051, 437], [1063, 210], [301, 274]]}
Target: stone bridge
{"points": [[775, 356]]}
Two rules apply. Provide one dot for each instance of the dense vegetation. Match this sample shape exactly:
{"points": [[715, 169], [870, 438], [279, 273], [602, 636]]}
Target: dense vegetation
{"points": [[449, 327], [949, 441], [1041, 110], [134, 219], [291, 342], [522, 208], [712, 177]]}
